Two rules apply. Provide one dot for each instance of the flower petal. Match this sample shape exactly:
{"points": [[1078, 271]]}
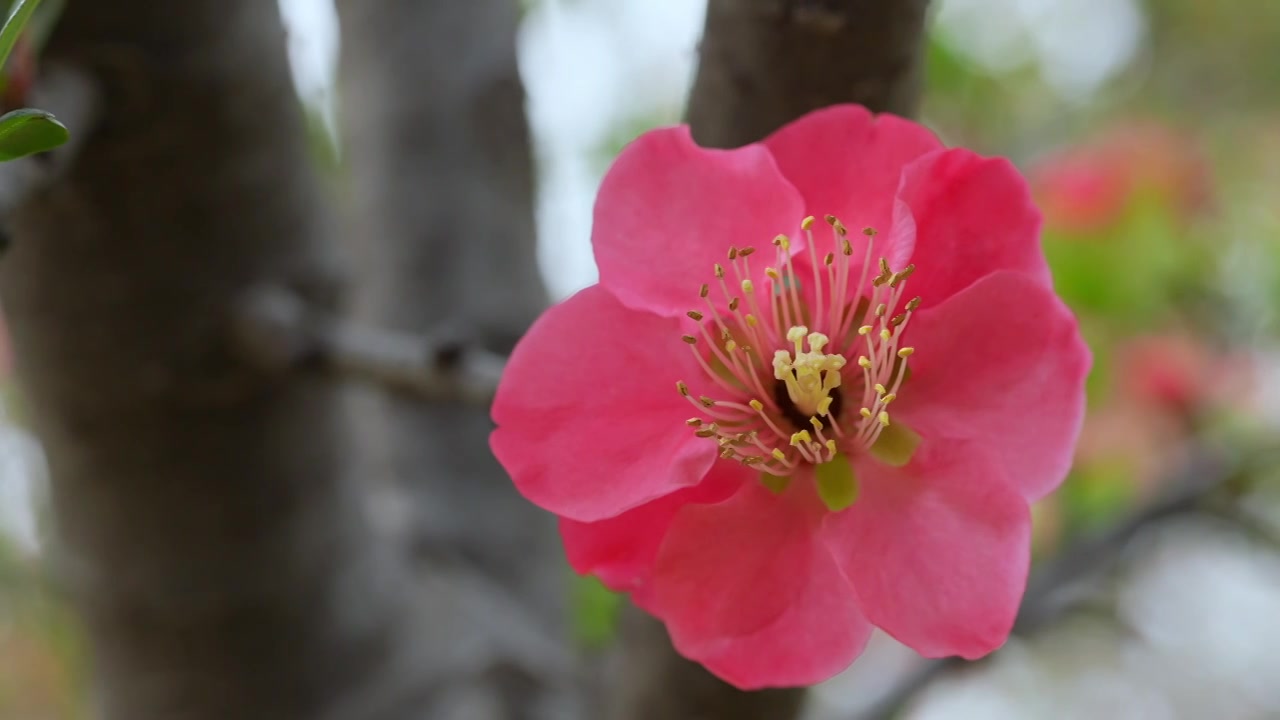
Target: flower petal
{"points": [[668, 211], [847, 162], [1001, 364], [589, 420], [746, 588], [621, 550], [973, 216], [937, 552]]}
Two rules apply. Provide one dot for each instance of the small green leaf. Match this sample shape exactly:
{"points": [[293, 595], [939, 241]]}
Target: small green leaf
{"points": [[13, 25], [896, 444], [837, 485], [27, 131], [595, 612]]}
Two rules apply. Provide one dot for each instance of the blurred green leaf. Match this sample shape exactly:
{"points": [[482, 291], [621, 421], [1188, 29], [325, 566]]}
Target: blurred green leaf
{"points": [[595, 612], [29, 131], [13, 25]]}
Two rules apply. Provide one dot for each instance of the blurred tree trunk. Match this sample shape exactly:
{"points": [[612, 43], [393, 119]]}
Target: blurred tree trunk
{"points": [[762, 64], [442, 184], [221, 562]]}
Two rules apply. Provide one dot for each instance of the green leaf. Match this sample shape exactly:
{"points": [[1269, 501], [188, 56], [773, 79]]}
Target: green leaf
{"points": [[27, 131], [837, 485], [596, 611], [17, 20]]}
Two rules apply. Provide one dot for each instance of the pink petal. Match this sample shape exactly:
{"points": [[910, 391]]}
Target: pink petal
{"points": [[973, 216], [847, 162], [621, 550], [668, 211], [746, 588], [937, 552], [1001, 364], [589, 420]]}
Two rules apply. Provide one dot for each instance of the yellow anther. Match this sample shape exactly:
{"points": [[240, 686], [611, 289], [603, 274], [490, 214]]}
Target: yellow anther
{"points": [[719, 270], [824, 406], [693, 422], [806, 223], [885, 334], [906, 352], [748, 286], [689, 339], [751, 320], [880, 389], [865, 412], [881, 309], [783, 242], [816, 423], [889, 398], [756, 404], [799, 438], [730, 346], [865, 329], [694, 314], [831, 446], [772, 273], [778, 454], [883, 418], [864, 362]]}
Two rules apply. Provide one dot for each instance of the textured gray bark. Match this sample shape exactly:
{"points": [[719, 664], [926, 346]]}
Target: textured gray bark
{"points": [[221, 563], [764, 63], [441, 171]]}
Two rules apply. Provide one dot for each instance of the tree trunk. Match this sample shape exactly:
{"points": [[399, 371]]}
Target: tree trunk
{"points": [[221, 563], [767, 62], [763, 64], [442, 176]]}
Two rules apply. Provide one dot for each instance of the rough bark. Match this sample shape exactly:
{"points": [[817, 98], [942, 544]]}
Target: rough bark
{"points": [[441, 172], [764, 63], [220, 561]]}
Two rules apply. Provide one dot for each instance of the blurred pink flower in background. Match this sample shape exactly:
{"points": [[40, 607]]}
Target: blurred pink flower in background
{"points": [[871, 413], [1089, 186]]}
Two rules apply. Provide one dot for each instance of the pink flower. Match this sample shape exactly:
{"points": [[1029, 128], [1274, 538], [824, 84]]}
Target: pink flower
{"points": [[777, 433], [1088, 187]]}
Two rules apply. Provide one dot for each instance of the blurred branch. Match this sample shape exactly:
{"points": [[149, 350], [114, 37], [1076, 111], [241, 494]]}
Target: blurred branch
{"points": [[1062, 583], [76, 100], [277, 330]]}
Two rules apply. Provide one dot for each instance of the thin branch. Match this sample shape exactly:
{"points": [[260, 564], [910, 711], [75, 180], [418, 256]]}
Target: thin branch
{"points": [[1061, 583], [76, 100], [275, 329]]}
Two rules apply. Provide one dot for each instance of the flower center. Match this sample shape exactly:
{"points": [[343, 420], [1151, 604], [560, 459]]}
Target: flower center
{"points": [[806, 376]]}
